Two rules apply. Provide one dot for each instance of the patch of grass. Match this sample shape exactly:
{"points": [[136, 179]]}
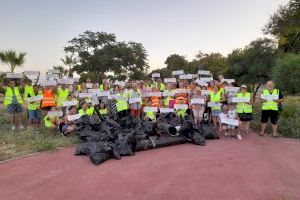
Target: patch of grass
{"points": [[23, 142], [289, 118]]}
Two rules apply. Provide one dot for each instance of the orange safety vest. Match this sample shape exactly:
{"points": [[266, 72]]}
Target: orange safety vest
{"points": [[48, 98]]}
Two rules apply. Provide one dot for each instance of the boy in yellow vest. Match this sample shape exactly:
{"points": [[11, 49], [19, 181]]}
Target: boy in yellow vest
{"points": [[33, 107]]}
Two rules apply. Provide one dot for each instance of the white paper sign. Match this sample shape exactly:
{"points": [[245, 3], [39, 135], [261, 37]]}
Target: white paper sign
{"points": [[64, 81], [269, 97], [186, 76], [197, 101], [150, 109], [181, 106], [178, 72], [48, 83], [103, 94], [70, 103], [232, 89], [53, 71], [89, 85], [34, 99], [208, 79], [170, 80], [205, 92], [73, 117], [228, 80], [204, 72], [121, 98], [166, 110], [232, 122], [55, 113], [180, 90], [94, 91], [112, 96], [52, 76], [201, 83], [213, 104], [155, 75], [120, 83], [76, 80], [168, 93], [85, 95], [135, 100], [155, 94], [14, 75], [240, 99], [146, 94]]}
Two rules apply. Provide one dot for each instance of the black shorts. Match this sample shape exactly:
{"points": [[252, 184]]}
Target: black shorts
{"points": [[245, 117], [272, 114]]}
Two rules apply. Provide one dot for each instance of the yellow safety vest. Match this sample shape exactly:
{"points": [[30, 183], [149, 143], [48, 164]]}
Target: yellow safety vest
{"points": [[216, 98], [270, 105], [151, 115], [34, 105], [28, 90], [9, 93], [243, 107], [89, 111], [103, 111], [122, 104], [62, 95]]}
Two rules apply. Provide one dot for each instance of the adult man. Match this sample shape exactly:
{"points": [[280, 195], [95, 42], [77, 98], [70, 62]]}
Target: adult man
{"points": [[270, 99]]}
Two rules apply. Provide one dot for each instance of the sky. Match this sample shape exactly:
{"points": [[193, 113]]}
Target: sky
{"points": [[41, 28]]}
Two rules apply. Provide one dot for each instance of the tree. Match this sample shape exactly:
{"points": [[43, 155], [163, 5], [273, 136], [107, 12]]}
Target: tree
{"points": [[61, 69], [69, 61], [284, 25], [12, 59], [253, 64], [286, 73], [99, 53], [176, 62]]}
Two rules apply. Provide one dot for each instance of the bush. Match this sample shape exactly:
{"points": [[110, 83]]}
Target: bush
{"points": [[286, 73], [288, 123]]}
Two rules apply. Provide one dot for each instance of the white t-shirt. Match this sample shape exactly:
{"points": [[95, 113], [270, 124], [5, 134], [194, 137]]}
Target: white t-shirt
{"points": [[232, 114]]}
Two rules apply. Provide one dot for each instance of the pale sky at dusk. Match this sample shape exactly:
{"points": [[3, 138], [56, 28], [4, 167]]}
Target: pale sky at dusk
{"points": [[42, 27]]}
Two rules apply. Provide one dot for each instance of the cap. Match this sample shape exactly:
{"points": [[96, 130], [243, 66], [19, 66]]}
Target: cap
{"points": [[244, 86]]}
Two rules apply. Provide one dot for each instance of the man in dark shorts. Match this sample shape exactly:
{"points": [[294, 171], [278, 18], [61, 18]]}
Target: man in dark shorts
{"points": [[270, 99]]}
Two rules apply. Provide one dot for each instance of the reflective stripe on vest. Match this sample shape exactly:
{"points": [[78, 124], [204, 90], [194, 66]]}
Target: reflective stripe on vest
{"points": [[270, 105], [9, 95], [243, 107]]}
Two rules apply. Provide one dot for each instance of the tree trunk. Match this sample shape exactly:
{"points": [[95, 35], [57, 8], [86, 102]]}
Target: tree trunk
{"points": [[255, 90]]}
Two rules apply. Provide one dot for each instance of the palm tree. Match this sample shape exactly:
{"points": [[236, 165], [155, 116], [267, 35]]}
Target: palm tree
{"points": [[12, 59], [61, 69], [69, 61]]}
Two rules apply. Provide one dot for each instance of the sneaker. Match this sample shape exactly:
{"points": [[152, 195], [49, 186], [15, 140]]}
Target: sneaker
{"points": [[13, 128], [21, 127], [239, 136]]}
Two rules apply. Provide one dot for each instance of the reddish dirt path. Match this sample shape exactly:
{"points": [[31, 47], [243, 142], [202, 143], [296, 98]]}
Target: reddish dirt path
{"points": [[254, 168]]}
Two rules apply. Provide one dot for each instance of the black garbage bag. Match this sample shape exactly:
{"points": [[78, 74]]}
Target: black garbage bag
{"points": [[125, 144], [165, 127], [207, 130], [149, 128], [198, 139]]}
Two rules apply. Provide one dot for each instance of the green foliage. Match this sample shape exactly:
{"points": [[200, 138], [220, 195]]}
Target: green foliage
{"points": [[284, 24], [176, 62], [69, 61], [286, 73], [12, 59], [288, 123], [100, 52], [61, 69]]}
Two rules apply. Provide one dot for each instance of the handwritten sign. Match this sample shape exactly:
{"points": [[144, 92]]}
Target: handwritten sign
{"points": [[14, 75], [208, 79], [180, 90], [120, 83], [205, 92], [135, 100], [197, 101], [70, 103], [232, 89], [166, 110], [73, 117], [170, 80], [152, 94], [103, 94], [240, 99], [186, 76], [180, 106], [150, 109], [168, 93], [155, 75], [232, 122], [89, 85], [228, 80], [201, 83], [34, 99], [47, 82], [178, 72], [55, 113], [269, 97], [94, 91], [204, 72], [53, 71], [119, 97], [85, 95], [64, 81]]}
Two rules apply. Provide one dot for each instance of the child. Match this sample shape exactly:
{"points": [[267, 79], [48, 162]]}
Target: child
{"points": [[67, 127], [86, 109], [181, 112], [150, 115], [233, 115], [102, 110], [51, 121], [34, 111], [222, 115]]}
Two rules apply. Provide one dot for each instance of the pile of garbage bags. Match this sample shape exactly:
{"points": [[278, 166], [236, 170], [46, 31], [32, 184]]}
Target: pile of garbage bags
{"points": [[105, 138]]}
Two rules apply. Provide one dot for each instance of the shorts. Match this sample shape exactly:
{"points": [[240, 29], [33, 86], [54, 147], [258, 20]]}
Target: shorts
{"points": [[245, 117], [215, 113], [34, 114], [272, 114], [14, 108]]}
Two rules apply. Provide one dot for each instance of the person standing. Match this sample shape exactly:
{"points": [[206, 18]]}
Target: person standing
{"points": [[270, 108]]}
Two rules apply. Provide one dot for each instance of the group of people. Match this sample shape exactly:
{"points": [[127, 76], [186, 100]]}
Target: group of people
{"points": [[228, 107]]}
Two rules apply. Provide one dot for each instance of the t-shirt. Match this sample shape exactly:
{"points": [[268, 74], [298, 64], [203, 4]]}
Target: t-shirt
{"points": [[232, 114]]}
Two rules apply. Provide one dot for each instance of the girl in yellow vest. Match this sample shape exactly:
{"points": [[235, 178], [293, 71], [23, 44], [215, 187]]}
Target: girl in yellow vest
{"points": [[34, 111], [216, 97], [103, 110], [62, 94], [13, 101]]}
